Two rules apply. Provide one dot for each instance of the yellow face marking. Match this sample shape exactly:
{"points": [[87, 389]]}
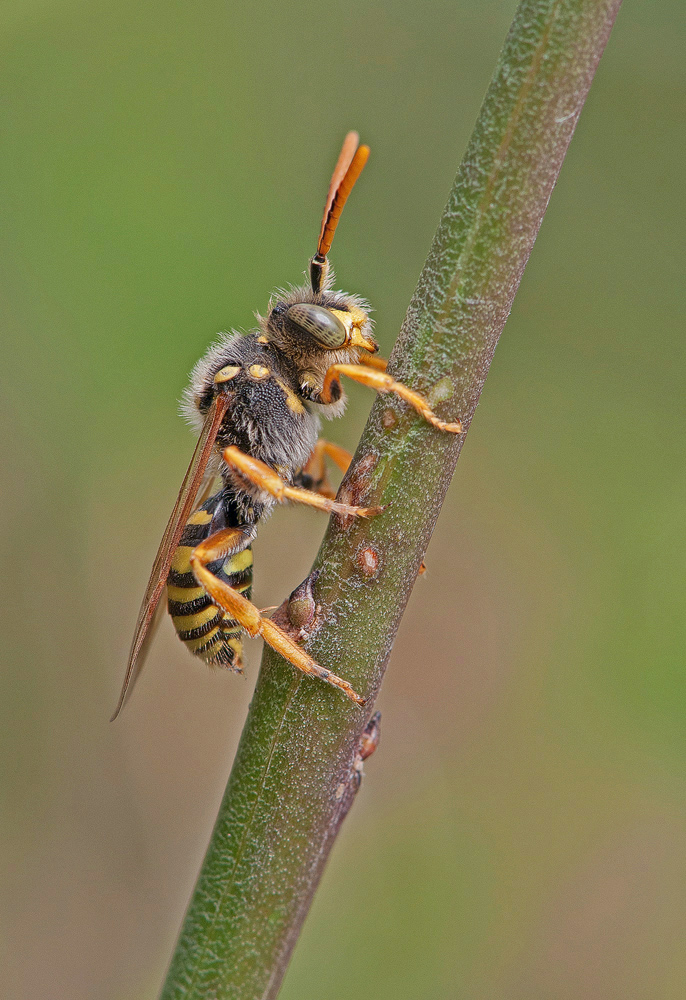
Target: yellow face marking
{"points": [[263, 340], [357, 340], [185, 623], [292, 400], [345, 317], [181, 561], [353, 321], [225, 374], [359, 316], [258, 371], [200, 517], [239, 562], [184, 594]]}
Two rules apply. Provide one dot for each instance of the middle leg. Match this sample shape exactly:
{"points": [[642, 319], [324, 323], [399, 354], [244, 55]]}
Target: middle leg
{"points": [[266, 479], [314, 475]]}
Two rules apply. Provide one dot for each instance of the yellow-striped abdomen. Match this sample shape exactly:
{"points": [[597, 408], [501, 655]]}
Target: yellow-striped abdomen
{"points": [[205, 629]]}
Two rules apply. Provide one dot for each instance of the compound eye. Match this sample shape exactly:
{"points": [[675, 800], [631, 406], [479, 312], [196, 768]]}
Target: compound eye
{"points": [[320, 323]]}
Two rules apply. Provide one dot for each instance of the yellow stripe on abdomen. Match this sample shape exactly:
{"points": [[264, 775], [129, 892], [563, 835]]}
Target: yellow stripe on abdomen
{"points": [[200, 517], [203, 627], [181, 562], [238, 562], [195, 645], [186, 623], [185, 594]]}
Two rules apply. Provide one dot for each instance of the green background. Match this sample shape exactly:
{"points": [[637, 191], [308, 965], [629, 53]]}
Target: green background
{"points": [[521, 832]]}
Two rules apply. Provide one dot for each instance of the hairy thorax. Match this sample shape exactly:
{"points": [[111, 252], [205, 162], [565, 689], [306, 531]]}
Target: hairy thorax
{"points": [[267, 417]]}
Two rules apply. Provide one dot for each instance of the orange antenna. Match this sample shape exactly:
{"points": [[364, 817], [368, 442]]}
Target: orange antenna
{"points": [[350, 164]]}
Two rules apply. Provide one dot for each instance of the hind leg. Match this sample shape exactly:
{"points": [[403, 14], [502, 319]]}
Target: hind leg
{"points": [[221, 544]]}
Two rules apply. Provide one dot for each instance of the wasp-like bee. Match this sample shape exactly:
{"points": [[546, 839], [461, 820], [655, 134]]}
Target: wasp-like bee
{"points": [[256, 400]]}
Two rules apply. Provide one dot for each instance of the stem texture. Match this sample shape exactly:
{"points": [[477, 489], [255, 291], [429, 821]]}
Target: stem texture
{"points": [[295, 774]]}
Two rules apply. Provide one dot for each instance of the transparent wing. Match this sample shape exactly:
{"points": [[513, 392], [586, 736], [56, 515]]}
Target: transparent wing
{"points": [[149, 612]]}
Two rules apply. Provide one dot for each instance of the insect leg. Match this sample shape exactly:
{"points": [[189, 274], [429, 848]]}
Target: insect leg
{"points": [[382, 382], [248, 616], [314, 475], [266, 479], [341, 456], [373, 361]]}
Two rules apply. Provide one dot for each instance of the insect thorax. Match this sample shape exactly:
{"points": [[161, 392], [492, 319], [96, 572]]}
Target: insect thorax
{"points": [[267, 416]]}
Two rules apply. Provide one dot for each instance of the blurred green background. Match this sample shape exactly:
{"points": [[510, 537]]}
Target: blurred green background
{"points": [[521, 832]]}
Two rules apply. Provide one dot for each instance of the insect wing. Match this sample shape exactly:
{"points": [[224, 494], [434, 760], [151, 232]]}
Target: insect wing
{"points": [[160, 570]]}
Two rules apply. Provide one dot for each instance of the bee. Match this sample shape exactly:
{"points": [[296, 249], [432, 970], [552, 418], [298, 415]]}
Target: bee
{"points": [[257, 400]]}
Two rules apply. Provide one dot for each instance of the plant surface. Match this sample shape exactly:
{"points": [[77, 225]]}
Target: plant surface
{"points": [[296, 771]]}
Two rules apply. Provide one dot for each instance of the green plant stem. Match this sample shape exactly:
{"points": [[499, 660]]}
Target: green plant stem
{"points": [[294, 776]]}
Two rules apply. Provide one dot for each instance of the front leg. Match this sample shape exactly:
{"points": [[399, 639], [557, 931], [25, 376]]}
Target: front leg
{"points": [[373, 361], [381, 382], [218, 546]]}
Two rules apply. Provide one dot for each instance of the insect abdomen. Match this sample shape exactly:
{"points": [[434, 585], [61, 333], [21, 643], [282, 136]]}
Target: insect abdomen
{"points": [[204, 629]]}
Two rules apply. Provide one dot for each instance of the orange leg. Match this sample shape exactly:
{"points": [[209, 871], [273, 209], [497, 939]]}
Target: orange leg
{"points": [[266, 479], [382, 382], [315, 467], [372, 361], [221, 544]]}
